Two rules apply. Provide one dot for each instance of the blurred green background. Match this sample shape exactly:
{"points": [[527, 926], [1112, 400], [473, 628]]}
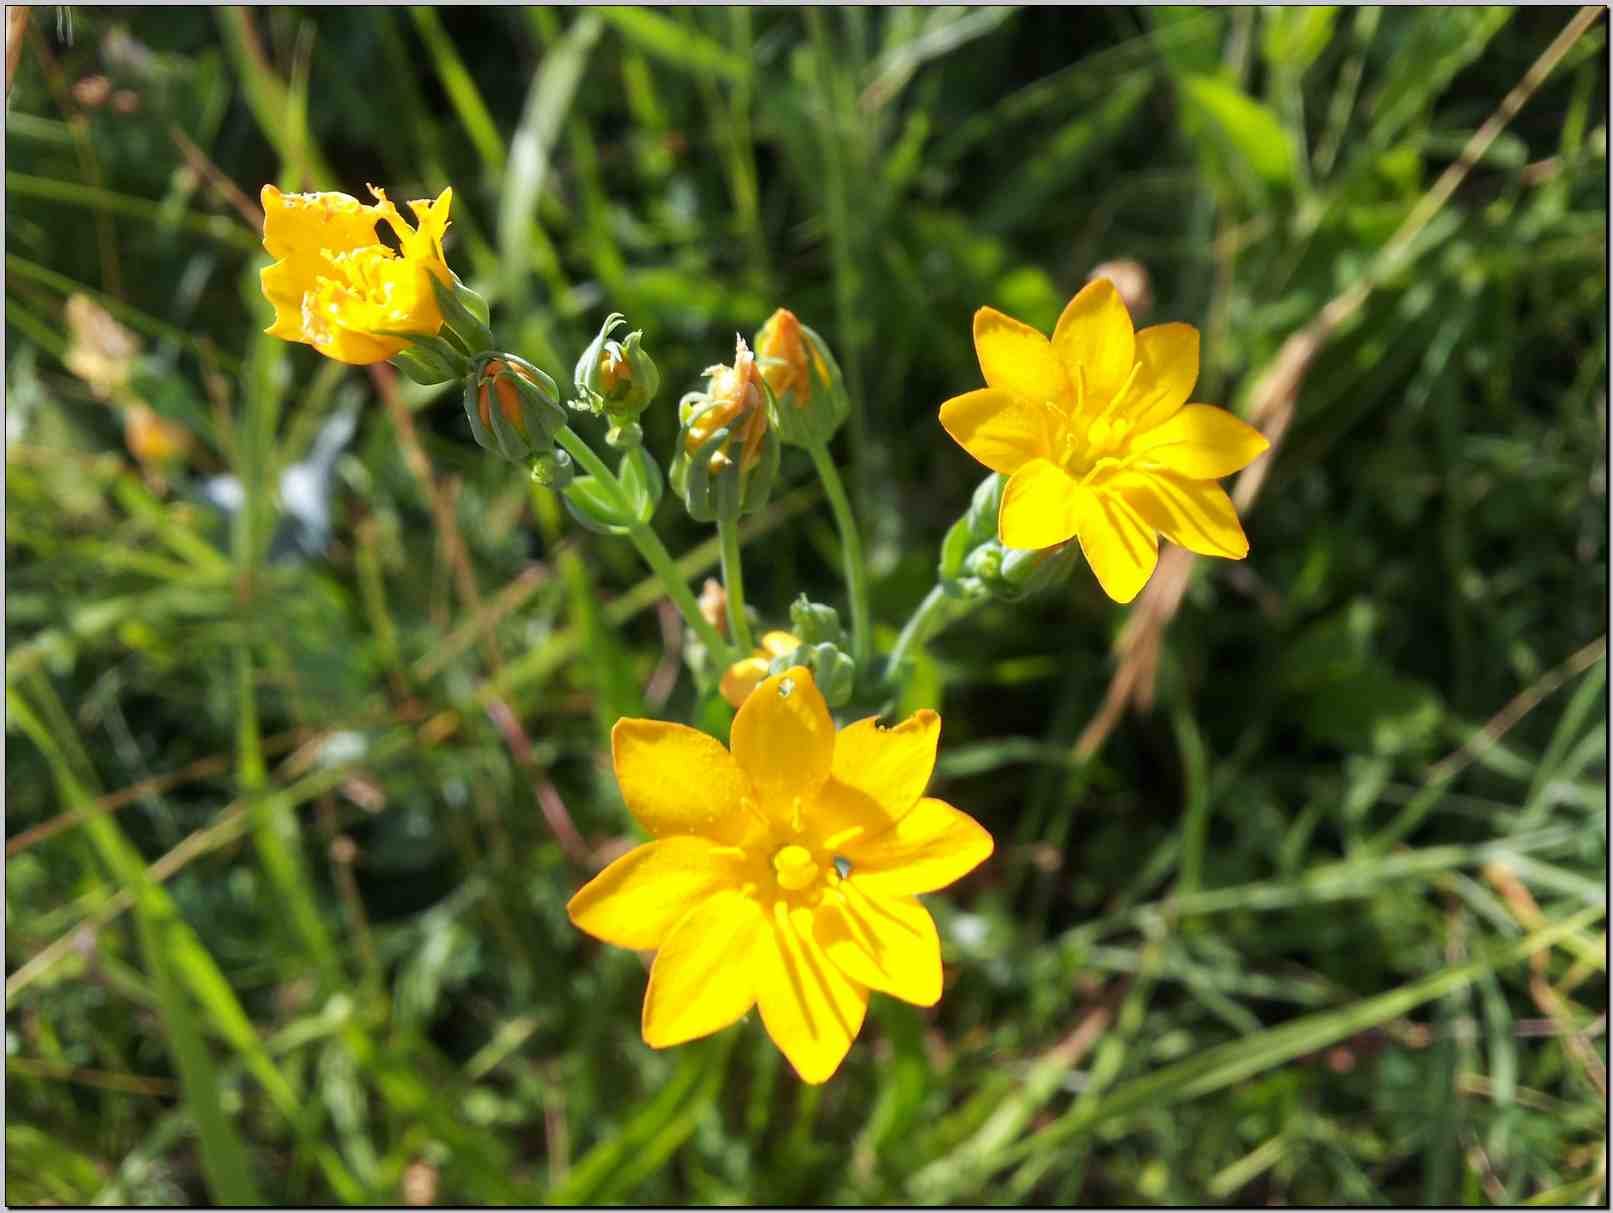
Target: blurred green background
{"points": [[307, 695]]}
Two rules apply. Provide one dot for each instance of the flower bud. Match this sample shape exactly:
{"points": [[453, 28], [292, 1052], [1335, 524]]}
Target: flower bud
{"points": [[809, 394], [974, 563], [832, 669], [553, 470], [816, 623], [727, 452], [616, 378], [512, 407]]}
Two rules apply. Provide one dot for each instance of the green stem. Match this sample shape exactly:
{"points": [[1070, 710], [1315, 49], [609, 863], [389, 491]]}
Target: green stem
{"points": [[733, 580], [925, 620], [649, 545], [851, 551]]}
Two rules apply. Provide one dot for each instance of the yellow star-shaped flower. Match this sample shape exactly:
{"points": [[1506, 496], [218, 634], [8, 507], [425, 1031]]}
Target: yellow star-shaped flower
{"points": [[782, 875], [1095, 435]]}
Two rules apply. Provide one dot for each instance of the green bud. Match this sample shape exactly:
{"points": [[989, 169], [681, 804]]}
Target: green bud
{"points": [[832, 669], [815, 623], [553, 470], [627, 437], [513, 407], [809, 393], [974, 561], [616, 378]]}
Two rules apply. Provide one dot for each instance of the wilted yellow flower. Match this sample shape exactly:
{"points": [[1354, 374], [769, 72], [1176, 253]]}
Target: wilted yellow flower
{"points": [[337, 287], [783, 874], [1095, 434], [734, 397], [741, 678]]}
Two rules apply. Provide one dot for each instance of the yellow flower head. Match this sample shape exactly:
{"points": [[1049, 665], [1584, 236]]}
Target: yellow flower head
{"points": [[783, 874], [1095, 435], [337, 287], [735, 397], [746, 674]]}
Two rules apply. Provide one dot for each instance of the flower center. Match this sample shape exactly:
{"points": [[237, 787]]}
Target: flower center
{"points": [[794, 867], [1090, 437]]}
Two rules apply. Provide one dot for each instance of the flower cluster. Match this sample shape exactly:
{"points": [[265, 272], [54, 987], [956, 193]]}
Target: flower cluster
{"points": [[784, 870]]}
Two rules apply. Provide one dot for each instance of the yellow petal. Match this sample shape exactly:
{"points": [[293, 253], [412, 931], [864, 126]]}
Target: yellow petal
{"points": [[885, 942], [703, 978], [1094, 337], [1197, 514], [928, 849], [783, 740], [890, 766], [1017, 359], [636, 900], [1121, 549], [1001, 430], [676, 780], [1041, 506], [810, 1008], [1168, 367], [1201, 442], [298, 225]]}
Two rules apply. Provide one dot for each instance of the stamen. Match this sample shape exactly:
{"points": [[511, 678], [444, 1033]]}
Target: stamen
{"points": [[1118, 396]]}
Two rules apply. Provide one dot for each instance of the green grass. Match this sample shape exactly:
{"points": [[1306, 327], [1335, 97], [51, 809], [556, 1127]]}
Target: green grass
{"points": [[292, 823]]}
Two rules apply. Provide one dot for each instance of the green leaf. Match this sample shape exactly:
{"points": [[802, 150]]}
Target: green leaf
{"points": [[1245, 126], [676, 43]]}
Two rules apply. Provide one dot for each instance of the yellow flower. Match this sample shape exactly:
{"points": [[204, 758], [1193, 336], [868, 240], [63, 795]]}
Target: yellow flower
{"points": [[741, 678], [336, 287], [783, 874], [1095, 435]]}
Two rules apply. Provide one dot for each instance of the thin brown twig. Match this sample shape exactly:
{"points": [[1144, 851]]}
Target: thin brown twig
{"points": [[134, 1084], [1276, 392], [665, 676], [550, 804]]}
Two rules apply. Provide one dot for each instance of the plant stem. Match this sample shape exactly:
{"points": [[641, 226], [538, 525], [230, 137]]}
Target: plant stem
{"points": [[926, 619], [649, 545], [851, 551], [733, 580]]}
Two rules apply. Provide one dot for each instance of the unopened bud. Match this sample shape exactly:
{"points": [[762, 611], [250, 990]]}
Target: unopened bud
{"points": [[815, 622], [553, 470], [974, 563], [512, 407], [809, 393], [616, 378]]}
